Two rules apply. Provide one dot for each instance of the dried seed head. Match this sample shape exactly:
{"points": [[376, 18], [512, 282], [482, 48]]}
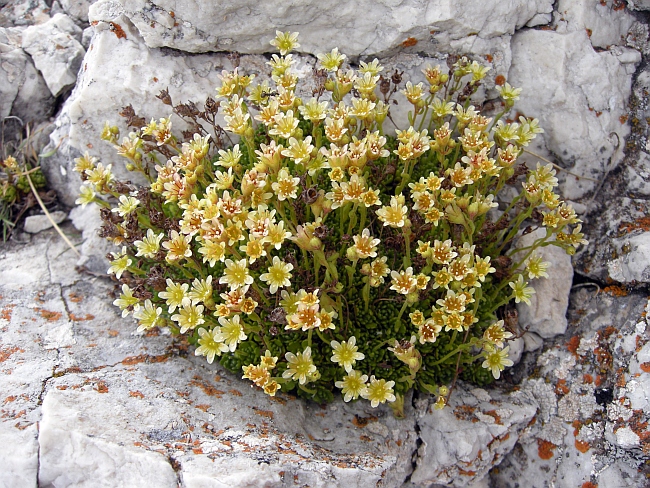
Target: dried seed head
{"points": [[164, 97]]}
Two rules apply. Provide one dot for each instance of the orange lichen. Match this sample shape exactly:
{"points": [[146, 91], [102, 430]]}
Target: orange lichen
{"points": [[5, 313], [642, 223], [561, 388], [582, 446], [77, 318], [589, 484], [74, 297], [410, 42], [131, 360], [615, 291], [6, 352], [264, 413], [361, 422], [136, 394], [49, 315], [587, 378], [117, 30], [573, 345], [495, 415], [545, 449], [102, 387], [207, 389], [500, 80], [645, 367]]}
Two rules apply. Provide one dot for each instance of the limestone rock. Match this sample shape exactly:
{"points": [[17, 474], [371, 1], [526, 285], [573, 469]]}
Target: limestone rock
{"points": [[72, 455], [77, 9], [633, 265], [124, 408], [249, 25], [20, 463], [639, 4], [94, 248], [119, 70], [23, 92], [24, 12], [590, 428], [56, 49], [37, 223], [461, 442], [604, 25], [579, 95], [546, 314]]}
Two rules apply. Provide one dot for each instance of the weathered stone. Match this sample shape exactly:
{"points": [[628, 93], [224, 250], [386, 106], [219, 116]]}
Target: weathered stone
{"points": [[247, 26], [589, 428], [24, 12], [37, 223], [77, 9], [579, 96], [633, 265], [20, 462], [94, 248], [461, 442], [72, 453], [639, 4], [120, 406], [56, 49], [546, 314], [23, 92], [604, 25]]}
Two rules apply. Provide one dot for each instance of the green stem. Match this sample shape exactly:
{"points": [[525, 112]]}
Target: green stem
{"points": [[398, 322]]}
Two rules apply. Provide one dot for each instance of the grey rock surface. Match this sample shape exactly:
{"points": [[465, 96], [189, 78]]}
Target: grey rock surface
{"points": [[462, 442], [579, 95], [23, 92], [55, 46], [633, 265], [37, 223], [116, 407], [546, 314], [77, 9], [592, 392], [427, 27]]}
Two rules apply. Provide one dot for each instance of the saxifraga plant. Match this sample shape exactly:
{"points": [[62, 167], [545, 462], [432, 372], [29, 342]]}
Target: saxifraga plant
{"points": [[321, 253]]}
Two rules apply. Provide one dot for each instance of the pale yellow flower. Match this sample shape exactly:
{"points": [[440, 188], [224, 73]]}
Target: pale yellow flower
{"points": [[365, 246], [127, 302], [278, 275], [395, 214], [178, 247], [300, 366], [149, 246], [148, 316], [332, 60], [236, 274], [175, 295], [345, 353], [121, 261], [287, 186], [285, 41], [379, 391], [231, 331], [210, 344], [189, 317], [353, 385], [496, 360]]}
